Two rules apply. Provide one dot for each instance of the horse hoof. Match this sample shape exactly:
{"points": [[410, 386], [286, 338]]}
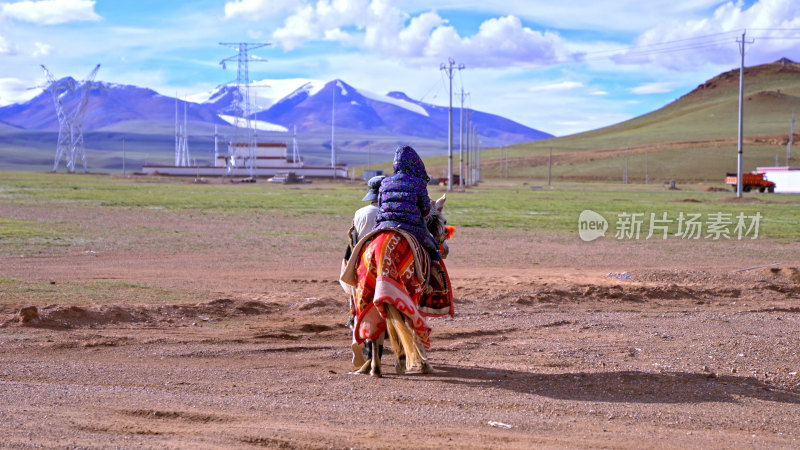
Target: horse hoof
{"points": [[426, 368], [358, 357], [400, 368], [365, 367], [376, 373]]}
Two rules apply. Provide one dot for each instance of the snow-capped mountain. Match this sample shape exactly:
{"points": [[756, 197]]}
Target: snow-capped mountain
{"points": [[109, 104], [310, 109], [308, 106], [263, 94], [364, 121]]}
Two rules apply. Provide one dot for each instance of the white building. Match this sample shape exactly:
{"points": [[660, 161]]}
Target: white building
{"points": [[270, 158]]}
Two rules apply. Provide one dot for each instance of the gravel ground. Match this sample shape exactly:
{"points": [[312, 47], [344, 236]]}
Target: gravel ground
{"points": [[193, 342]]}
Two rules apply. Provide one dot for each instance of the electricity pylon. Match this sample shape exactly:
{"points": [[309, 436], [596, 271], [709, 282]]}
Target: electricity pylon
{"points": [[182, 156], [70, 125], [241, 100]]}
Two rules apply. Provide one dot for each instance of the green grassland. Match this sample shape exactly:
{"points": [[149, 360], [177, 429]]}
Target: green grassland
{"points": [[512, 204], [708, 164], [166, 193]]}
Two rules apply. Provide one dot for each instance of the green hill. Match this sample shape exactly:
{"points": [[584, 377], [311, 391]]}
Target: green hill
{"points": [[691, 139]]}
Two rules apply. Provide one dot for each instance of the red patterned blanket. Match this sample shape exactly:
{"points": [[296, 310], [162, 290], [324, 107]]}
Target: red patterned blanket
{"points": [[386, 275]]}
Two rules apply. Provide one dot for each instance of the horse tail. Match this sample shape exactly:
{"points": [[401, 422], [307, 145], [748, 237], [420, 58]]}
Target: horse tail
{"points": [[402, 337]]}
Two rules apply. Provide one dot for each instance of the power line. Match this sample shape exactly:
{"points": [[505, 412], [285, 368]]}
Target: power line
{"points": [[774, 29], [677, 45], [656, 44], [686, 46], [777, 37], [429, 90]]}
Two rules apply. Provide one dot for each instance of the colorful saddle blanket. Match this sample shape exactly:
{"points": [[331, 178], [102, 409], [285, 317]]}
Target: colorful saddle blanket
{"points": [[389, 266]]}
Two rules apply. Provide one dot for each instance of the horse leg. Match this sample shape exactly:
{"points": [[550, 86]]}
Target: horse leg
{"points": [[366, 364], [364, 369], [358, 354], [399, 351], [425, 367], [400, 365], [376, 359]]}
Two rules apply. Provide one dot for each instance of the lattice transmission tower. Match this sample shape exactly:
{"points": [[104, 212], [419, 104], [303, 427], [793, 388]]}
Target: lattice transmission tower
{"points": [[181, 138], [244, 131], [70, 122]]}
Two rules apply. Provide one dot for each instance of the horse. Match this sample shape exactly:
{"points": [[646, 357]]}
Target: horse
{"points": [[387, 264]]}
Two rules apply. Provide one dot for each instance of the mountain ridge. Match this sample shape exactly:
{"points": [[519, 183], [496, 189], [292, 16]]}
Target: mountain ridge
{"points": [[692, 138], [362, 119]]}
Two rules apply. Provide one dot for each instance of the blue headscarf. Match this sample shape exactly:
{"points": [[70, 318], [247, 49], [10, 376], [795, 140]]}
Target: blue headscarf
{"points": [[407, 161]]}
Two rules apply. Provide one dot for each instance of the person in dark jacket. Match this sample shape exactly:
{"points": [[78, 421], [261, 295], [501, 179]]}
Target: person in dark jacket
{"points": [[403, 200]]}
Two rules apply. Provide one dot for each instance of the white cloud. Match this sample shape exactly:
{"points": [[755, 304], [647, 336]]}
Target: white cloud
{"points": [[657, 87], [297, 29], [619, 15], [598, 93], [378, 26], [258, 9], [713, 39], [5, 47], [51, 12], [14, 90], [500, 42], [324, 21], [413, 39], [41, 49], [552, 87]]}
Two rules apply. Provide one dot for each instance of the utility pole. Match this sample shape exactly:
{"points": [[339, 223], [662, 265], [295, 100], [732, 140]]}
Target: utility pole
{"points": [[467, 137], [333, 116], [480, 167], [477, 155], [216, 151], [625, 175], [451, 64], [177, 133], [506, 149], [789, 145], [502, 164], [470, 155], [739, 157], [461, 142]]}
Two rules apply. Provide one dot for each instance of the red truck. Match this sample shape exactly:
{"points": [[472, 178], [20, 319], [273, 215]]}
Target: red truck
{"points": [[751, 181]]}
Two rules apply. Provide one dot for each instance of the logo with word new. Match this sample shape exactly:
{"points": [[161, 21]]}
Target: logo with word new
{"points": [[591, 225]]}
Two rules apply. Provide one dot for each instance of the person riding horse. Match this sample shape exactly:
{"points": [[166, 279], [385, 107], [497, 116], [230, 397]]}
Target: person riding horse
{"points": [[401, 254], [403, 200], [364, 218]]}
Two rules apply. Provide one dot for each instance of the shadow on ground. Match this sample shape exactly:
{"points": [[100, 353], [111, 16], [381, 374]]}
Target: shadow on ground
{"points": [[622, 386]]}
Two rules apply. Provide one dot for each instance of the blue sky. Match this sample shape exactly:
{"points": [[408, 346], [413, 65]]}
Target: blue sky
{"points": [[561, 67]]}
